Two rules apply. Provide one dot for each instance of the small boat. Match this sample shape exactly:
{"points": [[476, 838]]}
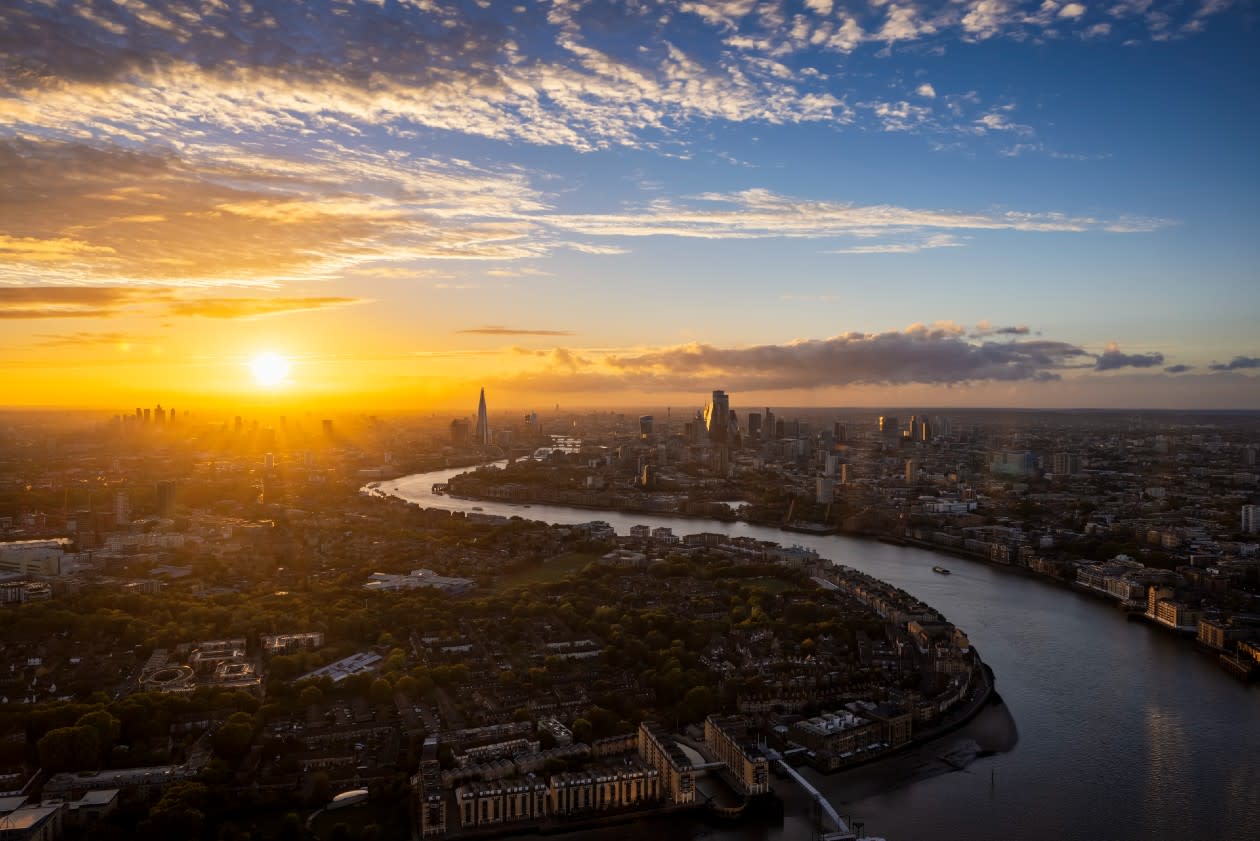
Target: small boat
{"points": [[941, 570], [476, 508]]}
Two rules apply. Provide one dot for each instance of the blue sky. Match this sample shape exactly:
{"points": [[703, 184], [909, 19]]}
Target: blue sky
{"points": [[616, 201]]}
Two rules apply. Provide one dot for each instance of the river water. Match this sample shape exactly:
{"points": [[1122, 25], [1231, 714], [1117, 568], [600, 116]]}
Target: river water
{"points": [[1111, 730]]}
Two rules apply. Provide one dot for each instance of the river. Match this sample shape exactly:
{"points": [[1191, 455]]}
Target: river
{"points": [[1123, 731]]}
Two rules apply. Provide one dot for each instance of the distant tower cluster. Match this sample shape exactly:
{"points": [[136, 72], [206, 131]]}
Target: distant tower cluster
{"points": [[482, 433]]}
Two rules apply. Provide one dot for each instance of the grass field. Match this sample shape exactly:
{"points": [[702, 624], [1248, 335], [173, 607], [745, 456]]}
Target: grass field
{"points": [[552, 569]]}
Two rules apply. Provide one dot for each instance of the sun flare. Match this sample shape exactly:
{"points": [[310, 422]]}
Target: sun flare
{"points": [[269, 369]]}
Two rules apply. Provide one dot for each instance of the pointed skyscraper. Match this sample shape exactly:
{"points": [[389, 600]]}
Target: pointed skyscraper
{"points": [[483, 422]]}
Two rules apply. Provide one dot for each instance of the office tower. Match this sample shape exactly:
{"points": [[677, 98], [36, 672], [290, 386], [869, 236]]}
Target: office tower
{"points": [[717, 417], [166, 498], [824, 490], [326, 425], [912, 428], [925, 430], [238, 424], [460, 432], [159, 415], [754, 424], [122, 508], [768, 425], [1251, 519], [147, 415], [482, 434], [840, 433], [645, 427], [889, 426], [269, 462], [912, 471]]}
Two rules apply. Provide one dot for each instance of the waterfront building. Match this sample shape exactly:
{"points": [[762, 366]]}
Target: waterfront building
{"points": [[501, 801], [628, 783], [837, 737], [727, 739], [678, 778]]}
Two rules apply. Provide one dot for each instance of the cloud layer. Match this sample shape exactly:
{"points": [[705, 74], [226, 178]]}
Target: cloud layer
{"points": [[88, 214], [582, 74]]}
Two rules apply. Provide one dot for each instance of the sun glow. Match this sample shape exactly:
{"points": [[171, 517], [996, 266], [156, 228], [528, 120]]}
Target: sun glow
{"points": [[269, 369]]}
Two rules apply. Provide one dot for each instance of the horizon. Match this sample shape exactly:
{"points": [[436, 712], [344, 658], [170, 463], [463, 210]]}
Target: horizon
{"points": [[1034, 205]]}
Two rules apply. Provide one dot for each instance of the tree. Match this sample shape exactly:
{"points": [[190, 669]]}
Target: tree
{"points": [[107, 728], [233, 739], [69, 749], [310, 696], [381, 691], [321, 787], [407, 686], [582, 730]]}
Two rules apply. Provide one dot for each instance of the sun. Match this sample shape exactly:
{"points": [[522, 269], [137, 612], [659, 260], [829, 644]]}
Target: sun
{"points": [[269, 369]]}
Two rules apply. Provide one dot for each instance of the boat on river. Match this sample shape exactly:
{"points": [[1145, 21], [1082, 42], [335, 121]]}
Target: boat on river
{"points": [[941, 570]]}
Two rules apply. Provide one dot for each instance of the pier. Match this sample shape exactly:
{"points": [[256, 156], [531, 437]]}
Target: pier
{"points": [[840, 831]]}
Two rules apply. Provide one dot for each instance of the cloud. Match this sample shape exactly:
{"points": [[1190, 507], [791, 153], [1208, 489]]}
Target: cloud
{"points": [[1112, 358], [759, 213], [938, 354], [584, 75], [1238, 363], [106, 214], [926, 90], [1179, 369], [500, 330], [934, 241], [40, 302], [83, 338], [984, 328], [255, 307]]}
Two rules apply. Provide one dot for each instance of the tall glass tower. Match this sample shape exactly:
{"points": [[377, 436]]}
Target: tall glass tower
{"points": [[483, 421]]}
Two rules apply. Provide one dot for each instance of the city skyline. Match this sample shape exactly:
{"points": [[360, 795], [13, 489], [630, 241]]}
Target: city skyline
{"points": [[818, 204]]}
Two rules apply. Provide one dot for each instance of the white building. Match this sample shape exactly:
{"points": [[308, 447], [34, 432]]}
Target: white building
{"points": [[33, 557]]}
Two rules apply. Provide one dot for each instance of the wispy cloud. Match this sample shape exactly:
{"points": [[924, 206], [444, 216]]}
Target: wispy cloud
{"points": [[240, 307], [41, 302], [500, 330], [215, 216], [936, 241], [760, 213]]}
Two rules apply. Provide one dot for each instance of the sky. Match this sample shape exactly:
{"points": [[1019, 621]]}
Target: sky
{"points": [[973, 203]]}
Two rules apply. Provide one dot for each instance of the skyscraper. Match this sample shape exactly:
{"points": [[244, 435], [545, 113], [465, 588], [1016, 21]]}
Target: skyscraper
{"points": [[717, 416], [482, 435]]}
